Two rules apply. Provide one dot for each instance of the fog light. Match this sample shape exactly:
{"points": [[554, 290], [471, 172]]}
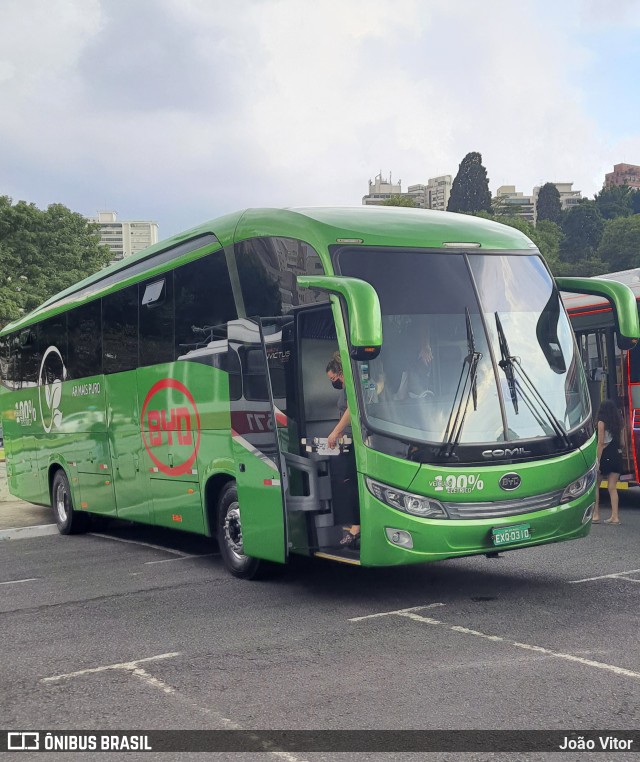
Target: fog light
{"points": [[588, 513], [399, 537]]}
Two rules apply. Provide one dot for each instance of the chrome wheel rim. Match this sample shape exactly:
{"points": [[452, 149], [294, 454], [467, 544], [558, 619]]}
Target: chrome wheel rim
{"points": [[233, 531], [62, 502]]}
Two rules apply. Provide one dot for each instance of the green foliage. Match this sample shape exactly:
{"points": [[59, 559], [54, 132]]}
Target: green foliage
{"points": [[582, 226], [470, 189], [398, 200], [635, 202], [620, 244], [41, 253], [548, 205], [616, 201]]}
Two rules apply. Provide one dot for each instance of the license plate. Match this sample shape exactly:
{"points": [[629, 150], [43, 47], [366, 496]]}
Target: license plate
{"points": [[505, 535]]}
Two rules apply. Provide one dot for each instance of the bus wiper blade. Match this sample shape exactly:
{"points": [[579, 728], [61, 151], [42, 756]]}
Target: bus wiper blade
{"points": [[509, 364], [506, 363], [468, 375]]}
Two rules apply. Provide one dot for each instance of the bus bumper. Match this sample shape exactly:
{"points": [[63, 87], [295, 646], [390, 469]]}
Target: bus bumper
{"points": [[439, 539]]}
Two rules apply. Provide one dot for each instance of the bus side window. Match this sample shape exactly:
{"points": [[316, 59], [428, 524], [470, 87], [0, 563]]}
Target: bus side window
{"points": [[84, 356], [157, 343], [204, 302], [4, 362], [634, 364], [27, 358], [120, 331]]}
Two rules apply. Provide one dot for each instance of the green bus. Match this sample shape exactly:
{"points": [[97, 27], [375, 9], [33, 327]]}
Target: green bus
{"points": [[187, 387]]}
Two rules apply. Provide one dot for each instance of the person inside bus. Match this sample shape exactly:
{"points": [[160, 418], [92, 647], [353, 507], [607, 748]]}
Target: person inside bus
{"points": [[609, 457], [343, 470], [417, 380]]}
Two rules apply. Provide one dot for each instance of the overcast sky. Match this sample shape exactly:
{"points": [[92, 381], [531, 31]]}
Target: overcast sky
{"points": [[181, 110]]}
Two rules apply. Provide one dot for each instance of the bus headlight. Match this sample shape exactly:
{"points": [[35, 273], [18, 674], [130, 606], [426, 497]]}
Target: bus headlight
{"points": [[416, 505], [580, 486]]}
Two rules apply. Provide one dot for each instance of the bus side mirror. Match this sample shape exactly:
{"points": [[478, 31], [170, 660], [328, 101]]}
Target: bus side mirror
{"points": [[363, 308], [621, 298]]}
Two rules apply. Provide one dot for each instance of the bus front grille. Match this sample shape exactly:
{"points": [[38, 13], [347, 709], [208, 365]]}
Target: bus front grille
{"points": [[503, 508]]}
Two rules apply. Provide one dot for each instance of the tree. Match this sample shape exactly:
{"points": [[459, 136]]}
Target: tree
{"points": [[620, 244], [470, 189], [616, 201], [635, 201], [398, 200], [548, 205], [43, 252], [582, 227]]}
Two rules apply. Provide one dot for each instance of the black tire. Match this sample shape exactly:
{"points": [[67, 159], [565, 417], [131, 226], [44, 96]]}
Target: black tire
{"points": [[229, 533], [67, 520]]}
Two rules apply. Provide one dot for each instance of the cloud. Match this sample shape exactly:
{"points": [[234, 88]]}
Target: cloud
{"points": [[179, 110]]}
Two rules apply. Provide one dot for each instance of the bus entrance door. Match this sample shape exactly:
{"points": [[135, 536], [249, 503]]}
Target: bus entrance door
{"points": [[256, 443]]}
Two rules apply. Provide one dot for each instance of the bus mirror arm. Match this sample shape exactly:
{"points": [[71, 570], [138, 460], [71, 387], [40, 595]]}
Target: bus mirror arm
{"points": [[363, 308], [621, 298]]}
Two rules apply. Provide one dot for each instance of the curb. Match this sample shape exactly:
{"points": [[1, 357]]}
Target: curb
{"points": [[24, 533]]}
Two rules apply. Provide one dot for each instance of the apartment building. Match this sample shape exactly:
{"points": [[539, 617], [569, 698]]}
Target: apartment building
{"points": [[508, 201], [438, 192], [125, 238], [434, 195], [568, 196], [623, 174]]}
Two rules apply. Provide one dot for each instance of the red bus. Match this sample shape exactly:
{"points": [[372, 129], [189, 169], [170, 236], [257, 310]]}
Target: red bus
{"points": [[611, 364]]}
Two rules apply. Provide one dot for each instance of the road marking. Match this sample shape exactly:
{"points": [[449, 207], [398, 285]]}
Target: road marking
{"points": [[134, 668], [129, 666], [23, 533], [399, 612], [17, 581], [616, 575], [139, 542], [171, 560], [410, 614]]}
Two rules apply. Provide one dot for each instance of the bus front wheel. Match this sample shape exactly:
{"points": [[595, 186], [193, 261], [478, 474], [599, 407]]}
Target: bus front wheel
{"points": [[67, 519], [229, 532]]}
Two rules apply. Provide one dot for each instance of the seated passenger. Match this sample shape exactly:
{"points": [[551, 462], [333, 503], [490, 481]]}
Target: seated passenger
{"points": [[417, 379]]}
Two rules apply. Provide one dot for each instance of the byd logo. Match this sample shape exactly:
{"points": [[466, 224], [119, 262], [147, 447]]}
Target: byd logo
{"points": [[170, 417]]}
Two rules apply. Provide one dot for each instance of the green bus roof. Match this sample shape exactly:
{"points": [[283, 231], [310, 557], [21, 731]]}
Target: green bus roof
{"points": [[318, 226]]}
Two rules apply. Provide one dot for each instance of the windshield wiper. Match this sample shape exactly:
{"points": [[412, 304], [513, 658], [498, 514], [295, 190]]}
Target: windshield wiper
{"points": [[468, 375], [512, 365]]}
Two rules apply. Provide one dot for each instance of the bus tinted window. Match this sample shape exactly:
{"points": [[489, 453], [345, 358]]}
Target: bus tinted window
{"points": [[157, 320], [27, 358], [53, 333], [204, 302], [84, 356], [268, 267], [120, 330], [4, 360]]}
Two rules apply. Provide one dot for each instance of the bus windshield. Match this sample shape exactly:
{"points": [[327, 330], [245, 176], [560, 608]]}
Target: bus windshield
{"points": [[444, 313]]}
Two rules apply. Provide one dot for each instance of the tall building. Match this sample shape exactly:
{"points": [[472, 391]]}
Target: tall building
{"points": [[419, 195], [381, 189], [509, 201], [623, 174], [125, 238], [438, 191]]}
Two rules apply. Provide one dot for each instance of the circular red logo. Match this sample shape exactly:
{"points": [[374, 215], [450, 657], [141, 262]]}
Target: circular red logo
{"points": [[170, 423]]}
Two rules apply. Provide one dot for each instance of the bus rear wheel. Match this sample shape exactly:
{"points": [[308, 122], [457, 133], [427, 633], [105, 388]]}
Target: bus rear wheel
{"points": [[229, 533], [67, 520]]}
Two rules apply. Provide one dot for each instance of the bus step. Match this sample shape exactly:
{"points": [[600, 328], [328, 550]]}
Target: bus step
{"points": [[342, 559]]}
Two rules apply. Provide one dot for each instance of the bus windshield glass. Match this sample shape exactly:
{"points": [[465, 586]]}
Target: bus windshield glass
{"points": [[473, 343]]}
